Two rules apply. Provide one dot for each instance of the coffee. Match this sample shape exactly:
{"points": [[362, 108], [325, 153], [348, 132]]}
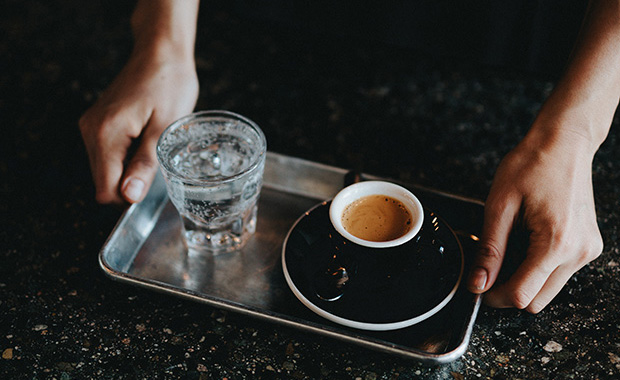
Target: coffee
{"points": [[377, 218]]}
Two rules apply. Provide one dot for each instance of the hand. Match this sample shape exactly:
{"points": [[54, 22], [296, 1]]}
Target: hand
{"points": [[546, 180], [151, 91]]}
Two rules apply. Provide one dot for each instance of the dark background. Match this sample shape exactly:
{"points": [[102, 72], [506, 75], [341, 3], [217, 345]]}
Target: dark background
{"points": [[438, 105]]}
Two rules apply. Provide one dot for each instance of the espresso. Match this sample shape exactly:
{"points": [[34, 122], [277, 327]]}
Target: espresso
{"points": [[377, 218]]}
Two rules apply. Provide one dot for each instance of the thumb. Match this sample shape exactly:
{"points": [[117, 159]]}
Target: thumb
{"points": [[140, 170], [499, 217]]}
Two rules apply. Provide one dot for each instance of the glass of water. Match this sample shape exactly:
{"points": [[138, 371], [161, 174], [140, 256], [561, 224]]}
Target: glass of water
{"points": [[213, 162]]}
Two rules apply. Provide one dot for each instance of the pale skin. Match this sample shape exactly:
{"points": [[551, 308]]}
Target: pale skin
{"points": [[546, 180], [157, 86]]}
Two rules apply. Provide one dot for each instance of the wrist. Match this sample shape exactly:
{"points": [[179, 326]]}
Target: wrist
{"points": [[159, 50], [564, 117], [586, 97], [569, 131], [165, 28]]}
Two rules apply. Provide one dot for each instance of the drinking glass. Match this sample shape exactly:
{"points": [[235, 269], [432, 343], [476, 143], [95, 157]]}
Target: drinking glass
{"points": [[212, 163]]}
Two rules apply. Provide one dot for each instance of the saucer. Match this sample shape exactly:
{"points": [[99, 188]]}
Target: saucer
{"points": [[422, 280]]}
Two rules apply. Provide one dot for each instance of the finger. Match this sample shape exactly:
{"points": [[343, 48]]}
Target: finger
{"points": [[89, 138], [108, 131], [533, 296], [522, 287], [552, 287], [108, 169], [104, 146], [554, 283], [541, 263], [141, 168], [499, 217]]}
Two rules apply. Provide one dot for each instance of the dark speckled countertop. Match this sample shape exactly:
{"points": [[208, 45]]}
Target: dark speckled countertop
{"points": [[340, 101]]}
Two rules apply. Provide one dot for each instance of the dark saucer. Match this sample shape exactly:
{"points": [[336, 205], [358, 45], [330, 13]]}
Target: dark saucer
{"points": [[373, 291]]}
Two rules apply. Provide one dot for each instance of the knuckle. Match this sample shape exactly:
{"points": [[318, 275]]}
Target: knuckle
{"points": [[91, 126], [88, 126], [101, 121], [519, 298], [561, 240], [143, 162], [583, 251], [592, 251], [83, 123], [107, 121], [106, 197], [489, 252], [573, 248], [596, 247]]}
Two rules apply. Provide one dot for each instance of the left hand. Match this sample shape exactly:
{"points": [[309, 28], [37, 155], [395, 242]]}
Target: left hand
{"points": [[147, 95]]}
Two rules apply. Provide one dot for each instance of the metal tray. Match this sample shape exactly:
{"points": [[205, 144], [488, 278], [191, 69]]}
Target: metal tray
{"points": [[145, 249]]}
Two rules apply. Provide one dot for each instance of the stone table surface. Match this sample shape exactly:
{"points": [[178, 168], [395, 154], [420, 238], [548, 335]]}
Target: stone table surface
{"points": [[339, 101]]}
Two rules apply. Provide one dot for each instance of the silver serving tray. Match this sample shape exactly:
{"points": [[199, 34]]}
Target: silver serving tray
{"points": [[145, 249]]}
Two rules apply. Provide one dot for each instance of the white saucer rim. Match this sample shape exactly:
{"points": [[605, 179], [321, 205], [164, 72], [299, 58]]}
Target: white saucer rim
{"points": [[357, 324]]}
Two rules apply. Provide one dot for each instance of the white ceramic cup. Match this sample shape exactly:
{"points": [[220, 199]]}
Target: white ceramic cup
{"points": [[363, 189]]}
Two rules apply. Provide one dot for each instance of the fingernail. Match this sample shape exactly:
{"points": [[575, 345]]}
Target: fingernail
{"points": [[133, 189], [477, 279]]}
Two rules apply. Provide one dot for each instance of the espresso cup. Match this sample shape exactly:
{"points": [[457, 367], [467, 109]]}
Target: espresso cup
{"points": [[376, 214]]}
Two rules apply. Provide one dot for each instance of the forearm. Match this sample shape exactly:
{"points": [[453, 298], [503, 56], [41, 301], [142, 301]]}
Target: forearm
{"points": [[165, 27], [586, 97]]}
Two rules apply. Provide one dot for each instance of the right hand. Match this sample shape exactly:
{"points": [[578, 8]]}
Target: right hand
{"points": [[150, 92], [545, 183]]}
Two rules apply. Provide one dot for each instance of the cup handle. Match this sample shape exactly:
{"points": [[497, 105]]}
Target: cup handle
{"points": [[331, 280]]}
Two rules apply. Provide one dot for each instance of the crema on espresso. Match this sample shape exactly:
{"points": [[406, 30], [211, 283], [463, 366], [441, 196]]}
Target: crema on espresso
{"points": [[377, 218]]}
